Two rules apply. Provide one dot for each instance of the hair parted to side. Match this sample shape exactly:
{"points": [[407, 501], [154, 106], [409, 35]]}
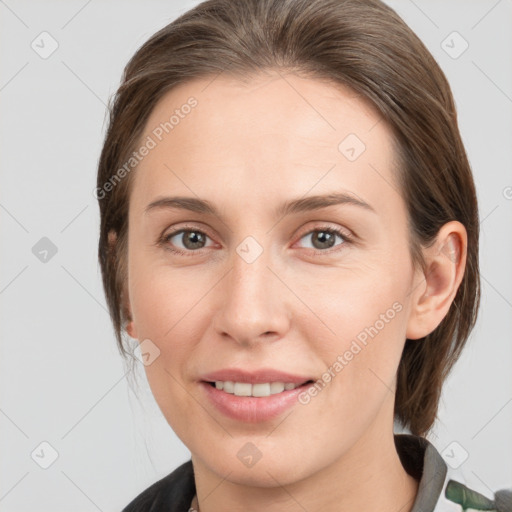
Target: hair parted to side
{"points": [[362, 44]]}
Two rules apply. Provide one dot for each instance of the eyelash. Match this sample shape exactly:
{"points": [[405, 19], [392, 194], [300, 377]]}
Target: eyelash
{"points": [[164, 241]]}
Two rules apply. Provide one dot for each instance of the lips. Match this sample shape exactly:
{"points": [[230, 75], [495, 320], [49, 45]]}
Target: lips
{"points": [[259, 376], [253, 396]]}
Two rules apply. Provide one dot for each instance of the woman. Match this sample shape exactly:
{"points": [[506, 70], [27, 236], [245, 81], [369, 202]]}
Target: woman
{"points": [[289, 228]]}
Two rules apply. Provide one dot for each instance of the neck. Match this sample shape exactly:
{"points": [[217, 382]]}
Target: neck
{"points": [[369, 476]]}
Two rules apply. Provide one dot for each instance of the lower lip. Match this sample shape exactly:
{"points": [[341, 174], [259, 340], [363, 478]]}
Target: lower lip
{"points": [[252, 409]]}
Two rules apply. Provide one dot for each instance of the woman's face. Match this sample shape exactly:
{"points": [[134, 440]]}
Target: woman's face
{"points": [[266, 294]]}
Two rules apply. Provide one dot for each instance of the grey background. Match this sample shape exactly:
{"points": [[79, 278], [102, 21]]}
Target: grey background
{"points": [[62, 379]]}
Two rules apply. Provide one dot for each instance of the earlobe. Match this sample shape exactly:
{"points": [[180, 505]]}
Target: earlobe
{"points": [[127, 311], [130, 329], [445, 264]]}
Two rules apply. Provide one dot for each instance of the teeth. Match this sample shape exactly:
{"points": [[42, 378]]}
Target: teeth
{"points": [[258, 390], [243, 389], [229, 387], [278, 387]]}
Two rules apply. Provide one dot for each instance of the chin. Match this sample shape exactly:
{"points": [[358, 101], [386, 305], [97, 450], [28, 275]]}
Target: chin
{"points": [[257, 461]]}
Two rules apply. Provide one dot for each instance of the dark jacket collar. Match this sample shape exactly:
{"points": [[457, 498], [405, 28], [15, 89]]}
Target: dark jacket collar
{"points": [[424, 463]]}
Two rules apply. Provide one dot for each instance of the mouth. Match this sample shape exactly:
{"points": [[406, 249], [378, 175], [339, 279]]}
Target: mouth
{"points": [[253, 395], [253, 402]]}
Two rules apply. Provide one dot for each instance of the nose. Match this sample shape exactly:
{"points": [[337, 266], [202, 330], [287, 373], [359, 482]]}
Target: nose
{"points": [[254, 304]]}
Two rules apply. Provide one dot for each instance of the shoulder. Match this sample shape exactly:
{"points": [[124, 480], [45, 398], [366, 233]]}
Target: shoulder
{"points": [[172, 493], [442, 489]]}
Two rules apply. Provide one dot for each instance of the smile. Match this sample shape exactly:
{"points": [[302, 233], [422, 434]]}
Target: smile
{"points": [[252, 403], [255, 390]]}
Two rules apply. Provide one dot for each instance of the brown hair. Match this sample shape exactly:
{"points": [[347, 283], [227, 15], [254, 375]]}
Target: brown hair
{"points": [[362, 44]]}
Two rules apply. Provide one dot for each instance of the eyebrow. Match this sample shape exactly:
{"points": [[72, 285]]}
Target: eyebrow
{"points": [[301, 205]]}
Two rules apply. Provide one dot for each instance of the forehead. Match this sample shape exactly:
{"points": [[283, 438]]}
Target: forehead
{"points": [[274, 132]]}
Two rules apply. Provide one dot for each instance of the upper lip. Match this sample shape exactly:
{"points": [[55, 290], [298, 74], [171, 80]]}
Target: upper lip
{"points": [[259, 376]]}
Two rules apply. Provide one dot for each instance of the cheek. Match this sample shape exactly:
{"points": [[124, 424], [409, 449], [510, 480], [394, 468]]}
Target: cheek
{"points": [[161, 299], [169, 309], [353, 308], [363, 321], [163, 311], [362, 365]]}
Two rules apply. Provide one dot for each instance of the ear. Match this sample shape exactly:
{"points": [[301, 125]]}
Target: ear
{"points": [[129, 325], [436, 286]]}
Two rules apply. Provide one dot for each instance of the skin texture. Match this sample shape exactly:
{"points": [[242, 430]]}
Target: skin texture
{"points": [[246, 148]]}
